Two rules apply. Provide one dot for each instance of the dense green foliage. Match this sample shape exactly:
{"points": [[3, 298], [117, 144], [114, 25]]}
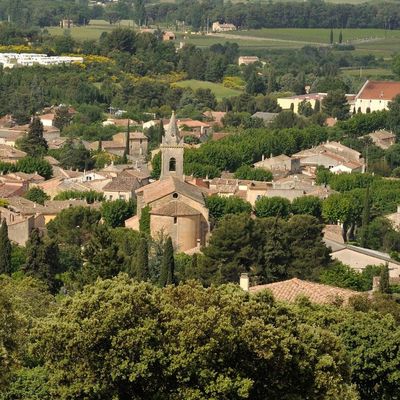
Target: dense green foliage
{"points": [[134, 341], [219, 206], [270, 249], [116, 212], [37, 195]]}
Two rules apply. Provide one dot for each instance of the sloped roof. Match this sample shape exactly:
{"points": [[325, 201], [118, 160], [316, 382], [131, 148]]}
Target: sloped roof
{"points": [[318, 293], [124, 182], [175, 208], [379, 90], [164, 187], [10, 152]]}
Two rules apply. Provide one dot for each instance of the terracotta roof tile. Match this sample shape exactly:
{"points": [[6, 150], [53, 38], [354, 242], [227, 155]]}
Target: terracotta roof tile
{"points": [[124, 182], [379, 90], [164, 187], [291, 289], [175, 208]]}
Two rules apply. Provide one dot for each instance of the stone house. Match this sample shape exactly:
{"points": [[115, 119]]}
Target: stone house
{"points": [[281, 163]]}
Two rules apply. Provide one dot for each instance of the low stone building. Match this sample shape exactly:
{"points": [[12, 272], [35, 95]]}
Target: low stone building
{"points": [[282, 163], [222, 27], [247, 60], [383, 139], [10, 154], [122, 187]]}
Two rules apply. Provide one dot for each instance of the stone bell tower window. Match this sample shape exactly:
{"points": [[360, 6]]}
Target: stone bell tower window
{"points": [[172, 164]]}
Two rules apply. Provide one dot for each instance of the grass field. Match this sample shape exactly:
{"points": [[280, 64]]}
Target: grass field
{"points": [[91, 31], [368, 73], [354, 36], [219, 91]]}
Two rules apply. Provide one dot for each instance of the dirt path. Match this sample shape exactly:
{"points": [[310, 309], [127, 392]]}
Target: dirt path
{"points": [[263, 39]]}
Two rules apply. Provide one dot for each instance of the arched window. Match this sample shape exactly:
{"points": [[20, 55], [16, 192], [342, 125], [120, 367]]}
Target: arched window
{"points": [[172, 164]]}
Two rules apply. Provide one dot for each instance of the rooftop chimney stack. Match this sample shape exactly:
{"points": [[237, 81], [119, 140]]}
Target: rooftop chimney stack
{"points": [[244, 282], [376, 283]]}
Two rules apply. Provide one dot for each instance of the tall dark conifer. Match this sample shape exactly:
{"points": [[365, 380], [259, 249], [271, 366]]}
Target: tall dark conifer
{"points": [[5, 249], [167, 272], [384, 286], [141, 260]]}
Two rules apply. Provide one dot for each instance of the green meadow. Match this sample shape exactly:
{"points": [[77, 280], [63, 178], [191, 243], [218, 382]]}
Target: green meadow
{"points": [[218, 89]]}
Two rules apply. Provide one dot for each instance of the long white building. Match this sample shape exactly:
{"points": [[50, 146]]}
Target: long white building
{"points": [[11, 60]]}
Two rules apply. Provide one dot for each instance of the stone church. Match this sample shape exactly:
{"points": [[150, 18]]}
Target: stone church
{"points": [[177, 208]]}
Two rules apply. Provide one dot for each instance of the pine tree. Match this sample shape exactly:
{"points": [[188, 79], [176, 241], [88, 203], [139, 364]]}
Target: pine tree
{"points": [[33, 143], [167, 276], [62, 118], [5, 249], [331, 37], [317, 106], [384, 286], [141, 260], [340, 37]]}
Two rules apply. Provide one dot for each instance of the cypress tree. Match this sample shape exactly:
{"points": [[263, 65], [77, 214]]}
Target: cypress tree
{"points": [[161, 132], [144, 221], [142, 260], [384, 286], [167, 276], [126, 150], [331, 37], [365, 218], [340, 37], [5, 249], [317, 107]]}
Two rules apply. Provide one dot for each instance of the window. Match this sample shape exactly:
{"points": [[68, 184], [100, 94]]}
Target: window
{"points": [[122, 197], [172, 164], [175, 195], [175, 220]]}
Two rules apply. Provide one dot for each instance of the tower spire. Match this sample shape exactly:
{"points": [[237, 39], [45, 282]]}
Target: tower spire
{"points": [[172, 133], [172, 149]]}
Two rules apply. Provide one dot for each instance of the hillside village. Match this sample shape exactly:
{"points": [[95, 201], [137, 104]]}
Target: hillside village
{"points": [[199, 201]]}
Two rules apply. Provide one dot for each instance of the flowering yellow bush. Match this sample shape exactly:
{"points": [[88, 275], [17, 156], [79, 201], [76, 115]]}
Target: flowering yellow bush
{"points": [[90, 59], [20, 48], [234, 82]]}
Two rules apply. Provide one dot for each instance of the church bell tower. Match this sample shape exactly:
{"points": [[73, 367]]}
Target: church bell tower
{"points": [[172, 151]]}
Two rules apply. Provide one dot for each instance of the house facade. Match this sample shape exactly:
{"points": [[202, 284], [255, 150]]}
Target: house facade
{"points": [[376, 96]]}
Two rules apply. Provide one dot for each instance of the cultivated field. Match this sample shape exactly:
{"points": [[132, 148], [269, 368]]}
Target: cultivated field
{"points": [[378, 42], [219, 91], [92, 31]]}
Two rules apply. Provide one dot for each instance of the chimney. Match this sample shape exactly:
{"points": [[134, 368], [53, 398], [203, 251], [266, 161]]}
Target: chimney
{"points": [[244, 282], [398, 209], [263, 157], [376, 283]]}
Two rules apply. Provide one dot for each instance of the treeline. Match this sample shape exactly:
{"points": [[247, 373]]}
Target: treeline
{"points": [[26, 13], [308, 14]]}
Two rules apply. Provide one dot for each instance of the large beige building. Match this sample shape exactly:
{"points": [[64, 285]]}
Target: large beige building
{"points": [[376, 95], [177, 208]]}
